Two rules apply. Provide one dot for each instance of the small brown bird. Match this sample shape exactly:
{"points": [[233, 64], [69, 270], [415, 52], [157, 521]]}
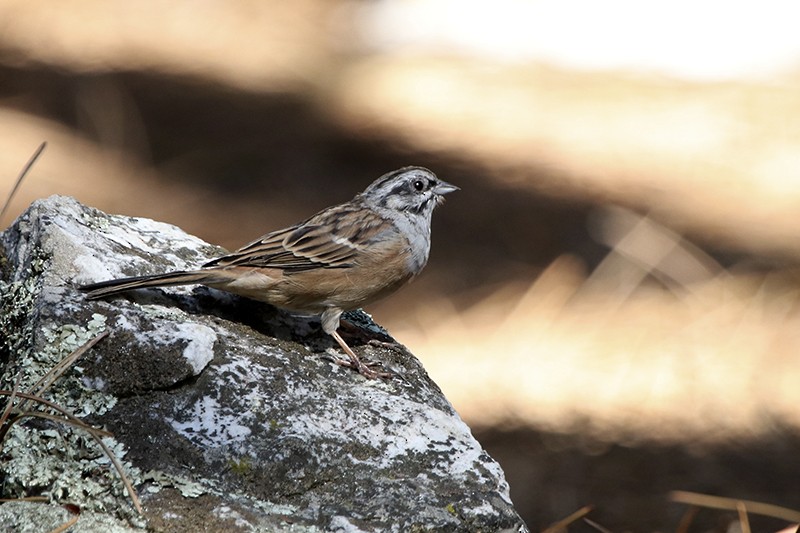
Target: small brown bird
{"points": [[340, 259]]}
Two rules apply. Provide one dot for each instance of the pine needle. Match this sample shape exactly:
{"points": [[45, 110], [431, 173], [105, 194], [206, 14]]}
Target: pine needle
{"points": [[562, 524], [21, 176], [731, 504]]}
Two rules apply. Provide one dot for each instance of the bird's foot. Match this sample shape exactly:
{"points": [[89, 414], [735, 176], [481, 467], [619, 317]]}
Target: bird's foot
{"points": [[356, 363]]}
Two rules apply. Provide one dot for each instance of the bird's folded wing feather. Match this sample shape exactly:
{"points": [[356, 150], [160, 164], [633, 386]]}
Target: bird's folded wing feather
{"points": [[329, 239]]}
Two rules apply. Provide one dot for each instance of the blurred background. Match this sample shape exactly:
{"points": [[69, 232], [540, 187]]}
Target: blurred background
{"points": [[612, 301]]}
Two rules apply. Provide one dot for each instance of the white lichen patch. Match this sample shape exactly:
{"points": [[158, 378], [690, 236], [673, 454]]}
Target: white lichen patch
{"points": [[213, 425], [225, 512], [344, 524], [484, 509], [249, 378], [200, 341], [209, 424], [91, 268]]}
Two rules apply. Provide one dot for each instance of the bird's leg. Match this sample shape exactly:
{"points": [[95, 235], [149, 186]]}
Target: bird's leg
{"points": [[330, 323], [355, 362]]}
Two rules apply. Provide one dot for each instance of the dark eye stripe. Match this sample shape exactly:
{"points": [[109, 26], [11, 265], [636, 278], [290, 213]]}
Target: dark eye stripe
{"points": [[399, 189]]}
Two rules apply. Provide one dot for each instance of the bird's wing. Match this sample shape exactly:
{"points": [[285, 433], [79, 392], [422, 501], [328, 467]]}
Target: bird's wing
{"points": [[330, 239]]}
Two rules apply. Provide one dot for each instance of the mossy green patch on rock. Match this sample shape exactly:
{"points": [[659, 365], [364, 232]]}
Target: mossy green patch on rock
{"points": [[241, 466]]}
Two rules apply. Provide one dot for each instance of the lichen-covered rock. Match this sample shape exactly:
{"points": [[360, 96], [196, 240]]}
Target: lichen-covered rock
{"points": [[228, 413]]}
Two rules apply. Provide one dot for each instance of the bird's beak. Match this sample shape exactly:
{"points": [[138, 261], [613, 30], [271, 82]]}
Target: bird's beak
{"points": [[443, 188]]}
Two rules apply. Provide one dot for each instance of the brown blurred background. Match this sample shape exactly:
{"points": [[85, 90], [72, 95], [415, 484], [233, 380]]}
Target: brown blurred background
{"points": [[612, 300]]}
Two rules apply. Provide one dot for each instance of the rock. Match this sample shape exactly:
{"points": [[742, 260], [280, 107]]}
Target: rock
{"points": [[227, 413]]}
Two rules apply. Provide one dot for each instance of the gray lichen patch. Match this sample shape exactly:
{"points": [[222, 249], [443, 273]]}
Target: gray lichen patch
{"points": [[70, 391], [34, 517], [59, 460], [65, 465]]}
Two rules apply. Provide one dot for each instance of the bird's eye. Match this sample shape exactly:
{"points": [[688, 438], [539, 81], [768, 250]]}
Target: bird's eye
{"points": [[419, 185]]}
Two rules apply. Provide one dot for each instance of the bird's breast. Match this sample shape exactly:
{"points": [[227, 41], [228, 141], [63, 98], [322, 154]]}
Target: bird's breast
{"points": [[412, 239]]}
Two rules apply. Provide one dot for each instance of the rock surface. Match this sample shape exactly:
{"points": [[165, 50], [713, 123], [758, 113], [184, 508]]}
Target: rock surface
{"points": [[227, 414]]}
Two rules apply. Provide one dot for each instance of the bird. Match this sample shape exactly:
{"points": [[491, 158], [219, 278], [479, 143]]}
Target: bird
{"points": [[340, 259]]}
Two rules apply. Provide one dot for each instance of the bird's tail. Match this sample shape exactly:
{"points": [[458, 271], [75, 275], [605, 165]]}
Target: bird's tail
{"points": [[116, 286]]}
